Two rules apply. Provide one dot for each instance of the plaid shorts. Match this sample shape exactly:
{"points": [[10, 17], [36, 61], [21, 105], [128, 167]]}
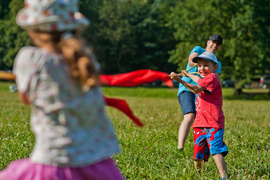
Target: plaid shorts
{"points": [[208, 141]]}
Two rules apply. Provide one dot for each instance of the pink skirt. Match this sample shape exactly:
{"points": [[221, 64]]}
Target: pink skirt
{"points": [[24, 169]]}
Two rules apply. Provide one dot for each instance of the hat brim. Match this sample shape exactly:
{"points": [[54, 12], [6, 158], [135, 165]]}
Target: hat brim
{"points": [[216, 40], [195, 59], [23, 20]]}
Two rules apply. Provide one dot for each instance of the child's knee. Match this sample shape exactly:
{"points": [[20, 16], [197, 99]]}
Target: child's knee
{"points": [[189, 118]]}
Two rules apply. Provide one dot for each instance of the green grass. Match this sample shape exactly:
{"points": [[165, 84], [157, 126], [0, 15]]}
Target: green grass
{"points": [[151, 152]]}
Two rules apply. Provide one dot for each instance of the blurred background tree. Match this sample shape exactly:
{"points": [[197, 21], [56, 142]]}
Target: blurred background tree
{"points": [[12, 36], [129, 35], [244, 25]]}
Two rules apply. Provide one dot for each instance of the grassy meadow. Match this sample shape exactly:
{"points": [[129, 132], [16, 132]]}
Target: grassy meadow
{"points": [[151, 152]]}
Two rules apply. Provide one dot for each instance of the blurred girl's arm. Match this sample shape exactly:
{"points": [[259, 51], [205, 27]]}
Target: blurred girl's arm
{"points": [[24, 98]]}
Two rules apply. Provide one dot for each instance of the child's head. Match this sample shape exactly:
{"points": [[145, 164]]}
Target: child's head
{"points": [[214, 43], [51, 16], [207, 63], [54, 25]]}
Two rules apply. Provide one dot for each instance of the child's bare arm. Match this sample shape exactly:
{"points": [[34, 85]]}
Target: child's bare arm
{"points": [[24, 98], [193, 88], [194, 78], [190, 58]]}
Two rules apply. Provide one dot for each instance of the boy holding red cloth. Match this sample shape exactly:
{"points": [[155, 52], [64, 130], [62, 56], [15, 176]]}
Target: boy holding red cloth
{"points": [[209, 121]]}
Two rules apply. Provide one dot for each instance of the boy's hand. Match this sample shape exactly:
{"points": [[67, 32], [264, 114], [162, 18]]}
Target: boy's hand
{"points": [[174, 76], [184, 73]]}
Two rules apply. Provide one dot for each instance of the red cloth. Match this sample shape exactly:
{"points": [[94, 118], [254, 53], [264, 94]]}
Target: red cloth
{"points": [[122, 106], [135, 78], [209, 103], [131, 79]]}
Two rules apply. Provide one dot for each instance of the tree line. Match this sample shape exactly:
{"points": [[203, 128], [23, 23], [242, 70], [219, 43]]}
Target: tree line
{"points": [[128, 35]]}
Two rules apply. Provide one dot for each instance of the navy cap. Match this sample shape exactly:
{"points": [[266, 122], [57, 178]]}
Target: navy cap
{"points": [[216, 37]]}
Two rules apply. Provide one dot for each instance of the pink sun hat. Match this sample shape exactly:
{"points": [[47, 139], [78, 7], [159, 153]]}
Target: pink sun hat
{"points": [[51, 15]]}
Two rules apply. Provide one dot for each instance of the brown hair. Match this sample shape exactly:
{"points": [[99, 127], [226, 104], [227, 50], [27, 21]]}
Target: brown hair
{"points": [[79, 59]]}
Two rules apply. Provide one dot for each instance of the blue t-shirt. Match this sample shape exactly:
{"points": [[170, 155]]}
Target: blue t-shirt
{"points": [[199, 51]]}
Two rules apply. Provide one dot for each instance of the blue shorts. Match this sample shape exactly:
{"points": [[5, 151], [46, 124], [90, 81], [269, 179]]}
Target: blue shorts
{"points": [[208, 141], [187, 100]]}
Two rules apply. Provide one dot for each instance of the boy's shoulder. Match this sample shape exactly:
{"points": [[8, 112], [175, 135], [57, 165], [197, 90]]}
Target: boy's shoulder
{"points": [[29, 49], [210, 82], [28, 52], [211, 77], [198, 49], [31, 56]]}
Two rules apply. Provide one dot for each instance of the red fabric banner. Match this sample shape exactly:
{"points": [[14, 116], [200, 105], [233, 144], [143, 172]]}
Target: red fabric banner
{"points": [[135, 78], [122, 106]]}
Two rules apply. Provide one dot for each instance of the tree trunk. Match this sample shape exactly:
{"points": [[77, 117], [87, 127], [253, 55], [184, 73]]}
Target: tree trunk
{"points": [[237, 92]]}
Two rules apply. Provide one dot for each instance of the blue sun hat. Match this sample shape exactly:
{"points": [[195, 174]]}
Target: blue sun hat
{"points": [[207, 56], [51, 15]]}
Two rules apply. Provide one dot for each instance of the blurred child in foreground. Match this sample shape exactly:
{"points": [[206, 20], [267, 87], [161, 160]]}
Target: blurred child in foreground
{"points": [[59, 79]]}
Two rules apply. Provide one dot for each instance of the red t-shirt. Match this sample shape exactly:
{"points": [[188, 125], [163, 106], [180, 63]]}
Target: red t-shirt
{"points": [[209, 103]]}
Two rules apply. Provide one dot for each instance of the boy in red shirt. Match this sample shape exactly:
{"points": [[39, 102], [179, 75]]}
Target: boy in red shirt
{"points": [[209, 121]]}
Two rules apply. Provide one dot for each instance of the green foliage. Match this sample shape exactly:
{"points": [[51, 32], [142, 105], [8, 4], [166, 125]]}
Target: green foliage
{"points": [[131, 35], [244, 26], [13, 37], [3, 8], [159, 34], [126, 35]]}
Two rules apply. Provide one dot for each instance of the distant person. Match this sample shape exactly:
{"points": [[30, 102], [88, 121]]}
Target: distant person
{"points": [[185, 97], [209, 122], [75, 139]]}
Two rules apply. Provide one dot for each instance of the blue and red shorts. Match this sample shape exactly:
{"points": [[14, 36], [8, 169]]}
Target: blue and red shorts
{"points": [[208, 141]]}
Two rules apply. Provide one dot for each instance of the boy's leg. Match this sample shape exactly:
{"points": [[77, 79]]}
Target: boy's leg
{"points": [[184, 129], [186, 100], [198, 165], [221, 165], [201, 150], [218, 150]]}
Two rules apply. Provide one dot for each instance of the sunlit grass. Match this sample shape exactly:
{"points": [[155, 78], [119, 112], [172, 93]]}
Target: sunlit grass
{"points": [[151, 152]]}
